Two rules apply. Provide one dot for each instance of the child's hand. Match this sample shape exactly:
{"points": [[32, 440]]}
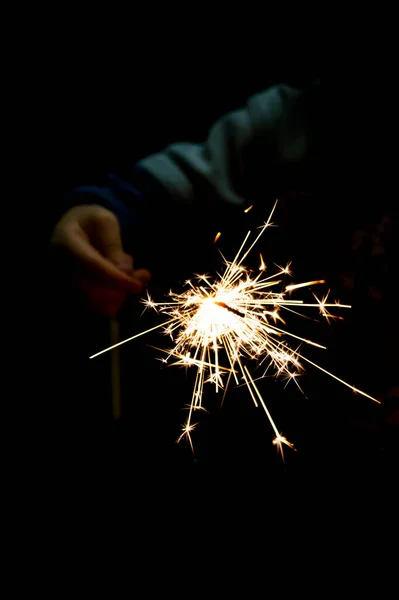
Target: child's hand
{"points": [[88, 243]]}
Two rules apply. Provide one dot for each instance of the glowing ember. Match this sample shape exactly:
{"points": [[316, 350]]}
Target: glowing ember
{"points": [[218, 325]]}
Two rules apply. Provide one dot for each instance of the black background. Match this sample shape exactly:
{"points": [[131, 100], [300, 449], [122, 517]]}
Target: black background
{"points": [[101, 102]]}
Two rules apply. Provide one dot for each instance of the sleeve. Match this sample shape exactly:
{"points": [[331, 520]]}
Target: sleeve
{"points": [[242, 150], [182, 193]]}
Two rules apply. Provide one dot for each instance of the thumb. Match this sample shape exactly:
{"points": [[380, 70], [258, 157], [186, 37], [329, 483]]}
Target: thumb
{"points": [[109, 243], [106, 237], [121, 260], [124, 262]]}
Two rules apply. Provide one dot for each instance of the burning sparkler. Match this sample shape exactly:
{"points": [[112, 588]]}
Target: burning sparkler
{"points": [[218, 325]]}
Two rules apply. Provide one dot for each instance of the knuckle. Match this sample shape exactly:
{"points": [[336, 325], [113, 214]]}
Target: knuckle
{"points": [[105, 216]]}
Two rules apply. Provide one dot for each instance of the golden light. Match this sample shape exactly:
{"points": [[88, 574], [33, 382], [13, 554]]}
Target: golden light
{"points": [[221, 325]]}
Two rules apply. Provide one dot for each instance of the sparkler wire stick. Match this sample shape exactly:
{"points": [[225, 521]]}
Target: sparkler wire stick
{"points": [[115, 371]]}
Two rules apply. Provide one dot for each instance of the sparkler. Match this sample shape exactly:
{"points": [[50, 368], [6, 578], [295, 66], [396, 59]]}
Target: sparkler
{"points": [[220, 325]]}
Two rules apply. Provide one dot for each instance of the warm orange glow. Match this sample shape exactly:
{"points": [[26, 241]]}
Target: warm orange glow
{"points": [[220, 325], [296, 286]]}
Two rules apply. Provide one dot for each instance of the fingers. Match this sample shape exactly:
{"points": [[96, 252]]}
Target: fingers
{"points": [[101, 268], [106, 237], [143, 275], [104, 233], [91, 242], [91, 236]]}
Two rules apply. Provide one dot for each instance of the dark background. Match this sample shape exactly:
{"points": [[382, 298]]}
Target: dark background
{"points": [[103, 103]]}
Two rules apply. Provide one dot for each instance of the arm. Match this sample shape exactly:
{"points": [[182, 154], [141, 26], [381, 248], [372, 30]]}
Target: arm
{"points": [[182, 194], [241, 153]]}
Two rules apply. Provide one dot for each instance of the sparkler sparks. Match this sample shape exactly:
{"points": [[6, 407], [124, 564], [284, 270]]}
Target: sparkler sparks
{"points": [[219, 325]]}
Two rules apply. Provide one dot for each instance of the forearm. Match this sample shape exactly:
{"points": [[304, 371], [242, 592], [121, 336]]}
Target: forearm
{"points": [[243, 150], [182, 194]]}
